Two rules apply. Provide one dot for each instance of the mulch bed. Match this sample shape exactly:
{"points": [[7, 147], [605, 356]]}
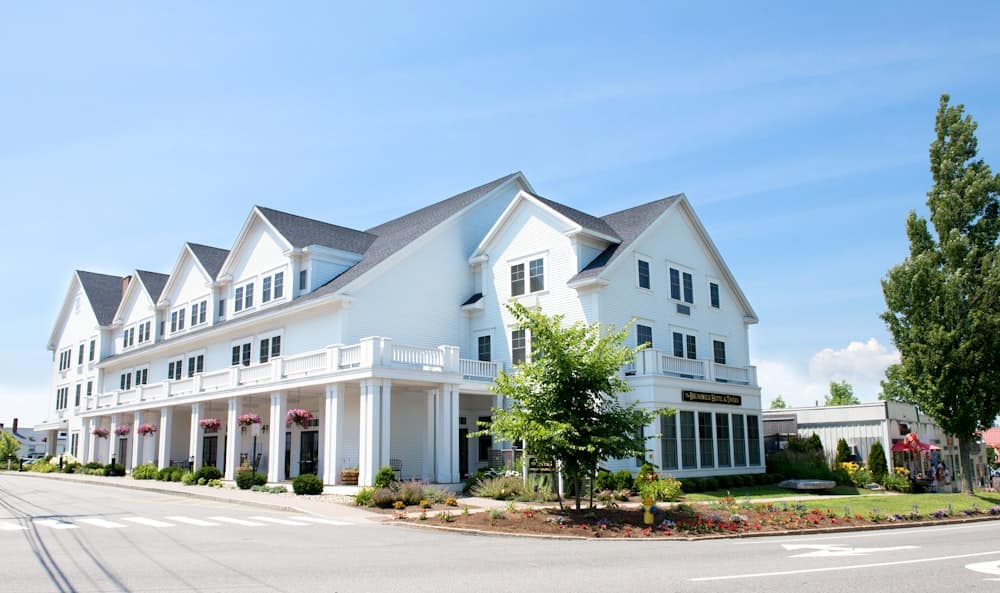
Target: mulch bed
{"points": [[682, 522]]}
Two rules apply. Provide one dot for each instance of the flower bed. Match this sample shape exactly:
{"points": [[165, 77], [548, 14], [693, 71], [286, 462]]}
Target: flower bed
{"points": [[683, 521]]}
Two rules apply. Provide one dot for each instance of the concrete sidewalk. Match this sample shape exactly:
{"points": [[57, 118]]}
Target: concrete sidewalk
{"points": [[325, 505]]}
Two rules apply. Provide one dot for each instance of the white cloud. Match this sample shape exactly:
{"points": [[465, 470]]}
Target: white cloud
{"points": [[862, 364]]}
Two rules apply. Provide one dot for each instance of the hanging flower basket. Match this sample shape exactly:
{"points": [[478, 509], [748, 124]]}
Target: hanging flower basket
{"points": [[299, 416], [210, 424], [123, 430], [100, 432], [248, 419], [146, 429]]}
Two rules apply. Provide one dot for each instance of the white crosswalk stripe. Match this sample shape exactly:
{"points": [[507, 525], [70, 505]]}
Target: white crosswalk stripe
{"points": [[321, 520], [12, 527], [243, 522], [191, 521], [55, 524], [145, 521], [98, 522], [279, 521]]}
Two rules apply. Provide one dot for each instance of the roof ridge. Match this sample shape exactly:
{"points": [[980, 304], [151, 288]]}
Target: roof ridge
{"points": [[300, 217], [643, 205]]}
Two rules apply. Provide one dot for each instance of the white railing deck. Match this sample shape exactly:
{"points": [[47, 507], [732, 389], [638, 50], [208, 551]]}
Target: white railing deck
{"points": [[478, 369]]}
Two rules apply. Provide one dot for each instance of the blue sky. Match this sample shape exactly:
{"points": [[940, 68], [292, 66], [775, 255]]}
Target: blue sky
{"points": [[799, 133]]}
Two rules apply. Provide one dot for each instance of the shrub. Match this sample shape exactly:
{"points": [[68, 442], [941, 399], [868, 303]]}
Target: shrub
{"points": [[436, 495], [897, 483], [809, 465], [385, 477], [502, 488], [876, 461], [177, 474], [383, 498], [364, 497], [247, 478], [623, 478], [116, 469], [605, 480], [188, 478], [665, 490], [164, 474], [471, 481], [692, 485], [43, 467], [147, 471], [215, 483], [726, 482], [410, 493], [711, 484], [645, 475], [307, 484], [844, 453], [207, 473]]}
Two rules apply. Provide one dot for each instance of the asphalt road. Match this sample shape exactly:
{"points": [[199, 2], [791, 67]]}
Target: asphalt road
{"points": [[56, 536]]}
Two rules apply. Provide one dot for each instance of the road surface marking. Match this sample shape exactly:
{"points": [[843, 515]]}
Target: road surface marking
{"points": [[992, 568], [11, 527], [55, 524], [279, 521], [97, 522], [237, 521], [145, 521], [322, 520], [839, 568], [191, 521], [829, 550], [769, 540]]}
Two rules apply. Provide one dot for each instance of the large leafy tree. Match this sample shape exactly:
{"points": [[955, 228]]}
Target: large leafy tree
{"points": [[841, 394], [942, 300], [894, 386], [564, 400], [778, 403]]}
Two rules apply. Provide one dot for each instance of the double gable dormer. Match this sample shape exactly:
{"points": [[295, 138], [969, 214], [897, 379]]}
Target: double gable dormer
{"points": [[279, 256], [189, 299], [136, 318]]}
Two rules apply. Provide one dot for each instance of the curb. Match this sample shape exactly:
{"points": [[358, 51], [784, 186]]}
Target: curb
{"points": [[694, 538], [204, 496]]}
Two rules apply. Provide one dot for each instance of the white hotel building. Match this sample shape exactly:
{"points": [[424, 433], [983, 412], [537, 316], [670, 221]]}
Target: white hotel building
{"points": [[391, 337]]}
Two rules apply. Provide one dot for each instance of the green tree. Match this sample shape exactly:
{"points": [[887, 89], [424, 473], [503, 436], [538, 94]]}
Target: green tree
{"points": [[876, 462], [844, 453], [778, 403], [841, 394], [942, 300], [894, 386], [9, 446], [564, 400]]}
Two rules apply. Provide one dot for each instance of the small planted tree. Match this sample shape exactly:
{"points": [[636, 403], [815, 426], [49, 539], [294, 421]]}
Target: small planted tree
{"points": [[844, 453], [564, 400], [8, 448], [876, 462]]}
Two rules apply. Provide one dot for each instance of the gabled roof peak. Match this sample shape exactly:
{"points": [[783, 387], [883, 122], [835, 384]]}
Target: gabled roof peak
{"points": [[302, 232]]}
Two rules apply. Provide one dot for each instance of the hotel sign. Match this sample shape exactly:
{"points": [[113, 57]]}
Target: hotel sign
{"points": [[711, 398]]}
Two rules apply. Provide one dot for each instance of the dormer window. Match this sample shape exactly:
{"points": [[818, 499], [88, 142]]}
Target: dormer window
{"points": [[198, 311], [272, 287], [243, 297], [535, 280]]}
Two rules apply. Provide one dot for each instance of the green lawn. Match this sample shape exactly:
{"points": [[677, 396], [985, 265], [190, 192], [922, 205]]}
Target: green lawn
{"points": [[768, 492]]}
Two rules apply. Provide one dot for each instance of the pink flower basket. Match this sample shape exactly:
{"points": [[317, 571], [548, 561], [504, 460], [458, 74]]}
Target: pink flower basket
{"points": [[100, 432], [299, 416], [146, 429], [248, 419], [123, 430], [210, 424]]}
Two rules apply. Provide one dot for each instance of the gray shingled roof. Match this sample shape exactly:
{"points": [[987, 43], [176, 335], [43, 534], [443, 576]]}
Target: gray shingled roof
{"points": [[303, 232], [587, 221], [104, 293], [211, 258], [628, 225], [154, 283]]}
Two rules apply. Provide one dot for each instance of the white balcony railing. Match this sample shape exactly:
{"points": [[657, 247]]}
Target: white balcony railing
{"points": [[256, 374], [655, 362], [684, 367], [478, 369], [306, 364], [417, 356], [217, 380], [350, 357], [730, 374]]}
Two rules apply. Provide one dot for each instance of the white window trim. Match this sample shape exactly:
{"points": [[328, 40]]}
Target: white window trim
{"points": [[709, 281], [284, 287], [683, 269], [526, 260], [478, 333], [649, 261], [255, 346], [255, 281], [686, 331], [197, 301]]}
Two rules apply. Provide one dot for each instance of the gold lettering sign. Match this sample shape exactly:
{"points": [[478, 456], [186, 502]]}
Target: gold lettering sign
{"points": [[711, 398]]}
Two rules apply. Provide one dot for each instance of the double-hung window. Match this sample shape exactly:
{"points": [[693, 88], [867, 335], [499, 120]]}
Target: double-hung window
{"points": [[196, 364], [517, 280], [719, 351], [141, 377], [198, 311], [241, 354], [279, 285], [535, 281], [643, 335], [682, 290], [76, 400], [265, 289], [484, 346], [518, 346], [93, 347], [238, 300], [685, 346], [643, 271], [125, 381], [536, 275], [175, 369], [270, 347], [713, 294], [79, 359]]}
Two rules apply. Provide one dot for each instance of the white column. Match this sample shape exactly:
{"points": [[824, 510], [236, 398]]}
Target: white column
{"points": [[385, 415], [163, 455], [87, 443], [195, 439], [136, 439], [52, 443], [276, 438], [370, 441], [232, 438], [446, 422], [333, 418], [431, 437], [112, 440]]}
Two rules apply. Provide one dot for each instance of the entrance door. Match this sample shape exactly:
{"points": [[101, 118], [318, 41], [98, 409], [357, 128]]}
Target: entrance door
{"points": [[288, 454], [308, 452], [209, 450], [122, 450], [463, 452]]}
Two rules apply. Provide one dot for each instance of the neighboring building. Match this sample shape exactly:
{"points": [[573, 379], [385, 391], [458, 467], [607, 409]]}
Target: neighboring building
{"points": [[861, 426], [35, 444], [391, 337]]}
